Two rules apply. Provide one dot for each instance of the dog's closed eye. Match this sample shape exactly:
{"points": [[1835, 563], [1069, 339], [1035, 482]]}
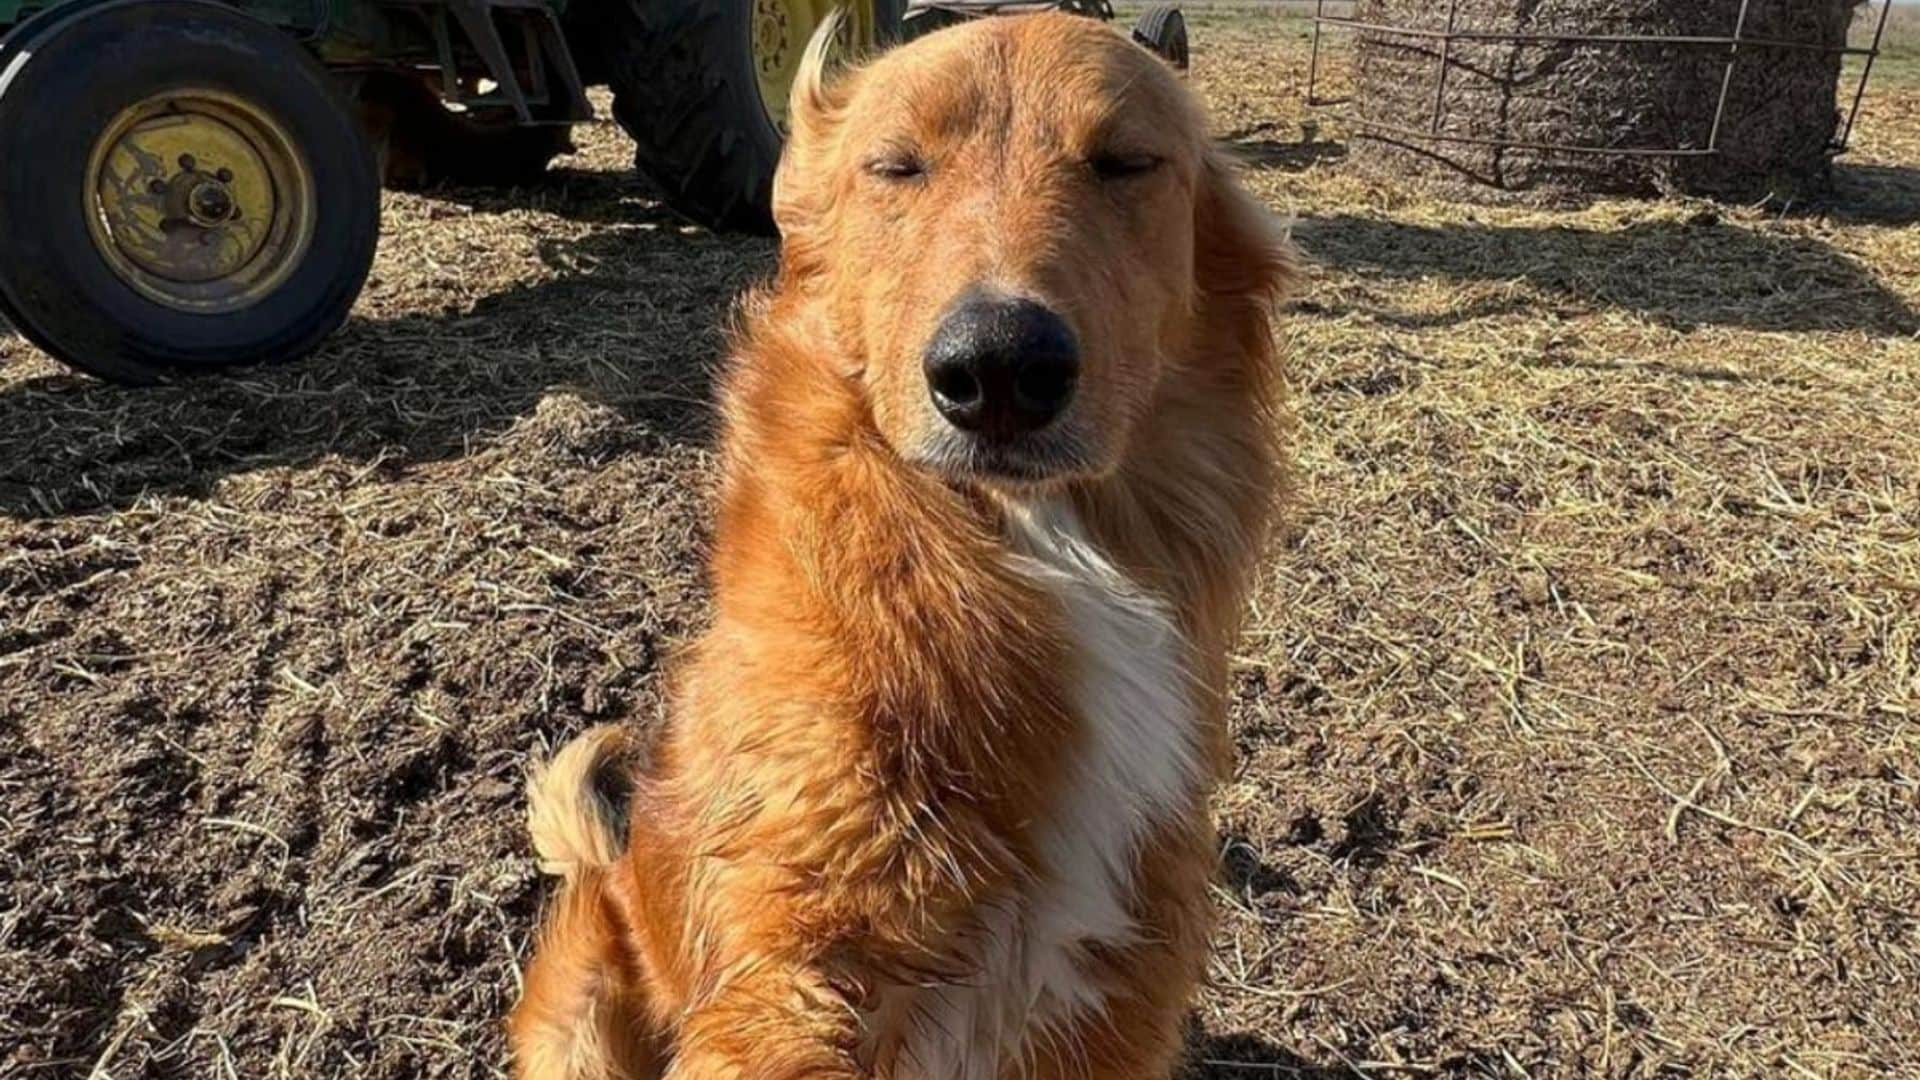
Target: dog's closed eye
{"points": [[897, 165], [1122, 165]]}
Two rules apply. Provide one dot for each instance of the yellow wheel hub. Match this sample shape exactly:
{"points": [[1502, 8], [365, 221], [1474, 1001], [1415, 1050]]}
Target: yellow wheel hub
{"points": [[781, 30], [199, 200]]}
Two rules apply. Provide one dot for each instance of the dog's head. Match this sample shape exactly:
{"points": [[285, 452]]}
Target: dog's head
{"points": [[1018, 228]]}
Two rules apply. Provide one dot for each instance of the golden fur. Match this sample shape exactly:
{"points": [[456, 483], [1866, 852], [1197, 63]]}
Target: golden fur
{"points": [[861, 782]]}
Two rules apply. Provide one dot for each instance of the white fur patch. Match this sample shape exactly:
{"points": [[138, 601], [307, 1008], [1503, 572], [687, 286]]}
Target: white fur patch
{"points": [[1138, 765]]}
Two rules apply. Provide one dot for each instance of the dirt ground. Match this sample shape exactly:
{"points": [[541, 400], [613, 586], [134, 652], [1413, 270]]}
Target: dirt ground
{"points": [[1578, 719]]}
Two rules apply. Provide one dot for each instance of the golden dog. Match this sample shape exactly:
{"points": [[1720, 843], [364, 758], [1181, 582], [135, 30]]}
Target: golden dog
{"points": [[1000, 454]]}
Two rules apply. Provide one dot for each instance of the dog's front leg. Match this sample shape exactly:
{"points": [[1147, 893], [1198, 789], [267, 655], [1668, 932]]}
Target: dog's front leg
{"points": [[771, 1021]]}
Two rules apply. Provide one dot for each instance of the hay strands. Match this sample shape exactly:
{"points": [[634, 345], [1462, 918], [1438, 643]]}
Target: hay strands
{"points": [[1443, 61]]}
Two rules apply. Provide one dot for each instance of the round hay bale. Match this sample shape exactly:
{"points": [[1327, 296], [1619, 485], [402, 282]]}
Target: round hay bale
{"points": [[1509, 99]]}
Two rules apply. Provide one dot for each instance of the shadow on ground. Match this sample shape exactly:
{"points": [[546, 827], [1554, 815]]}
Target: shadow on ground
{"points": [[1241, 1055], [1871, 195], [586, 195], [1263, 147], [632, 318], [1678, 274]]}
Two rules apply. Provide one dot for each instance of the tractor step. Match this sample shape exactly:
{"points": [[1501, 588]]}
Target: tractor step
{"points": [[551, 77]]}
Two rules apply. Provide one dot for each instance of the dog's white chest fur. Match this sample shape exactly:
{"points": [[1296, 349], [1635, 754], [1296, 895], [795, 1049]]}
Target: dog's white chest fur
{"points": [[1137, 764]]}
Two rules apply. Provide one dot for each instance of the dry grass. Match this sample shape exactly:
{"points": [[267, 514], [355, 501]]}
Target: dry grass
{"points": [[1577, 720]]}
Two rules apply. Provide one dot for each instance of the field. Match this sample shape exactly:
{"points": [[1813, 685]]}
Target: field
{"points": [[1578, 718]]}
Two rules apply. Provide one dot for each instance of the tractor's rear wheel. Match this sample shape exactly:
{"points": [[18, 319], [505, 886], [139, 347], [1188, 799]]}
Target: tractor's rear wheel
{"points": [[181, 187], [701, 86], [1162, 30]]}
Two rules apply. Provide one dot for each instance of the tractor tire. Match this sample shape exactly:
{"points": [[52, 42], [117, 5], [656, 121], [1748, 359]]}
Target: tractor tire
{"points": [[688, 90], [423, 144], [184, 190], [1162, 30], [11, 43], [926, 20]]}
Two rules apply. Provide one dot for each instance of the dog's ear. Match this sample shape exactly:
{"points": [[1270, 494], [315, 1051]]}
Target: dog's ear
{"points": [[1241, 251], [803, 184]]}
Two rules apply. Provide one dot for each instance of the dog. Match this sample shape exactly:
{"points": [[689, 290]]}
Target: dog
{"points": [[1001, 443]]}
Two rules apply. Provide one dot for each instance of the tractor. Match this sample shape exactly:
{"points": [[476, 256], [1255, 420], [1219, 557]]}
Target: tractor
{"points": [[189, 185]]}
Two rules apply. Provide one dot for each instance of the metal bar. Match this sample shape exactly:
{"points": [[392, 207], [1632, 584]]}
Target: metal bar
{"points": [[1860, 91], [1726, 77], [443, 49], [1588, 39], [1313, 61], [1446, 61], [476, 20], [537, 89], [1556, 148]]}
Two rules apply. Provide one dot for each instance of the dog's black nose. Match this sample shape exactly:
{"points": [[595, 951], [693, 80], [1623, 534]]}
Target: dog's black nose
{"points": [[1001, 366]]}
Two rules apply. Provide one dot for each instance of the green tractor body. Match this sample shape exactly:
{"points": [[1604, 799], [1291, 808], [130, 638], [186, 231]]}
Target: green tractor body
{"points": [[341, 32]]}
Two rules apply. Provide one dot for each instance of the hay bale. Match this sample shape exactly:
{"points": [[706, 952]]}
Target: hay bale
{"points": [[1780, 119]]}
